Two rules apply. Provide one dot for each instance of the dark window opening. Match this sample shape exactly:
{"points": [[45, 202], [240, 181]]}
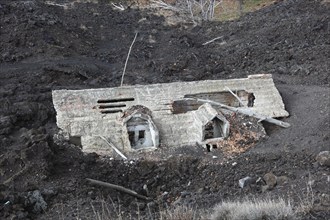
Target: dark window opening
{"points": [[213, 129], [209, 147], [112, 106], [141, 134], [251, 99], [131, 136], [183, 106], [115, 100], [209, 131], [76, 140]]}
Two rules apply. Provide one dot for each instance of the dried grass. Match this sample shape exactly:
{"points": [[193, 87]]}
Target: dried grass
{"points": [[254, 209], [179, 213]]}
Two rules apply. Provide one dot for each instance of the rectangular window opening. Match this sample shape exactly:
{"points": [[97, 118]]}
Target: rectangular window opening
{"points": [[131, 137], [141, 134]]}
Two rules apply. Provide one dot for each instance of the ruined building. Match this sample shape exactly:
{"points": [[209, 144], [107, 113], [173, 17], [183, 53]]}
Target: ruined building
{"points": [[145, 116]]}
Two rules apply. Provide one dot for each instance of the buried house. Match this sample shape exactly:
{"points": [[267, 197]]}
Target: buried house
{"points": [[144, 116]]}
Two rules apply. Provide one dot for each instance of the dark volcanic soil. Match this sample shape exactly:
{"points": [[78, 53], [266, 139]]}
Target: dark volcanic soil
{"points": [[45, 47]]}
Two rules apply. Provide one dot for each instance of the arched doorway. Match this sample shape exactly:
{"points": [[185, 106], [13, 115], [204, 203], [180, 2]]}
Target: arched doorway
{"points": [[139, 133]]}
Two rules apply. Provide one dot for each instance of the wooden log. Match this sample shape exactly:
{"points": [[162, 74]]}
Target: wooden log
{"points": [[118, 188], [244, 111]]}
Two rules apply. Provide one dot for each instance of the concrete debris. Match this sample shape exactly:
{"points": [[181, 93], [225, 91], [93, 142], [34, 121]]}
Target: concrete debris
{"points": [[244, 182], [141, 117]]}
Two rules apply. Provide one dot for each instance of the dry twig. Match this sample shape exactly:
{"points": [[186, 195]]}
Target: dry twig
{"points": [[210, 41], [129, 52]]}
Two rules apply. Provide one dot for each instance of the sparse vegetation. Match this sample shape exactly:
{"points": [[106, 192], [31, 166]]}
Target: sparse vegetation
{"points": [[207, 10], [179, 213], [253, 209], [308, 201]]}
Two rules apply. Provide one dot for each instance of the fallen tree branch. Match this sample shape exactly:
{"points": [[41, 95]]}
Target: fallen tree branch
{"points": [[239, 100], [15, 175], [118, 188], [113, 147], [129, 52], [120, 7], [210, 41], [65, 6], [244, 111]]}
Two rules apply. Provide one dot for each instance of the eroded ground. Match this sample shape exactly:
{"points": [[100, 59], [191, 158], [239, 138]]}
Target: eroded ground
{"points": [[45, 47]]}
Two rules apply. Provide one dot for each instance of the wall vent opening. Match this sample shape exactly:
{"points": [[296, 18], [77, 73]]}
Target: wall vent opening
{"points": [[100, 101], [112, 106], [111, 111]]}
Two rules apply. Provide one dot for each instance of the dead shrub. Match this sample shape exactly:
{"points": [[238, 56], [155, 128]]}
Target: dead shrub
{"points": [[254, 209], [179, 213]]}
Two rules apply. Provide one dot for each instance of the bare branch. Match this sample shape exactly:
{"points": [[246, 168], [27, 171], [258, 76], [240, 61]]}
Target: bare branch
{"points": [[129, 52], [210, 41], [120, 7], [117, 187], [163, 5], [10, 179]]}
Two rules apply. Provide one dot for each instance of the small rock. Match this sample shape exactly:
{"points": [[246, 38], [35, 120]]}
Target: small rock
{"points": [[185, 193], [151, 205], [264, 188], [323, 158], [200, 190], [36, 202], [178, 201], [22, 215], [48, 193], [281, 180], [325, 199], [271, 180], [244, 182]]}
